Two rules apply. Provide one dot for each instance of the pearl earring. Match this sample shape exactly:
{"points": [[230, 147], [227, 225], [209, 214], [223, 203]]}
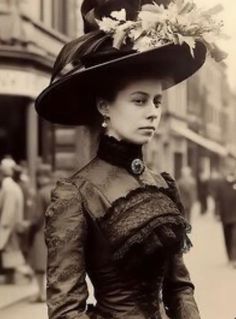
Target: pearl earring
{"points": [[104, 123]]}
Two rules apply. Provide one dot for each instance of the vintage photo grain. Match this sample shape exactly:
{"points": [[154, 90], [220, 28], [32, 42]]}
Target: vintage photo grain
{"points": [[117, 159]]}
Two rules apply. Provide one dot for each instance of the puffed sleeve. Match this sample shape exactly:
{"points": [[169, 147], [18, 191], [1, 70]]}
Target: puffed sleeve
{"points": [[65, 234], [178, 291]]}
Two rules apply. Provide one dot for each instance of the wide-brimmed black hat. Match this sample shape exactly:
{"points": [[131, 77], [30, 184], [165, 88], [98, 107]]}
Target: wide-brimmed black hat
{"points": [[121, 37]]}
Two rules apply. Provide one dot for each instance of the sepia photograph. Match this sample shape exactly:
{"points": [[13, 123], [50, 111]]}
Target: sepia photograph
{"points": [[117, 159]]}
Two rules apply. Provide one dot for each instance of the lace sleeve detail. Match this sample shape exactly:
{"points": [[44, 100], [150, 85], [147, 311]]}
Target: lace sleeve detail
{"points": [[65, 233]]}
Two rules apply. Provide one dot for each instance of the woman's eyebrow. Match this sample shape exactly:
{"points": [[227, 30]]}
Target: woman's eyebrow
{"points": [[158, 96], [140, 92]]}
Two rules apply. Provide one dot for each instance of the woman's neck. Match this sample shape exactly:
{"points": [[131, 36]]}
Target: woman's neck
{"points": [[121, 153]]}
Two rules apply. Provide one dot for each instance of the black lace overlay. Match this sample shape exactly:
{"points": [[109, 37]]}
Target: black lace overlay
{"points": [[145, 222]]}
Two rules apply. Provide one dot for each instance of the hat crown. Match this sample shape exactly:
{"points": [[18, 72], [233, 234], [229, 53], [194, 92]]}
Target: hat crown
{"points": [[96, 9]]}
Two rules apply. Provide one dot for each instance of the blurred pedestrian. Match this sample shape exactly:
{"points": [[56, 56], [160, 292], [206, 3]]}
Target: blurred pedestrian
{"points": [[203, 192], [226, 201], [214, 183], [22, 178], [38, 250], [188, 191], [11, 221]]}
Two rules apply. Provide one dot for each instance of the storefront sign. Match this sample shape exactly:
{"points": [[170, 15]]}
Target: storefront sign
{"points": [[28, 83]]}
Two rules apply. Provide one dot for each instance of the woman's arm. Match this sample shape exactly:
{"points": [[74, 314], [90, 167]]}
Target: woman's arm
{"points": [[66, 231], [178, 291]]}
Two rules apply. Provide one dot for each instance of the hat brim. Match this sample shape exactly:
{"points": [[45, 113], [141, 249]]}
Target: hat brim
{"points": [[71, 99]]}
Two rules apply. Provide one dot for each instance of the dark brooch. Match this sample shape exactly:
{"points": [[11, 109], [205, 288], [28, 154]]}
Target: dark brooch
{"points": [[137, 166]]}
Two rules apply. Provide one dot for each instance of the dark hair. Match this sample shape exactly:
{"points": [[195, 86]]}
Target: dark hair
{"points": [[119, 79]]}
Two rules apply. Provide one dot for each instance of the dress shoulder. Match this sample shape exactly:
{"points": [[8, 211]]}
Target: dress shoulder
{"points": [[65, 189], [65, 195], [66, 205], [173, 191], [167, 184], [159, 180]]}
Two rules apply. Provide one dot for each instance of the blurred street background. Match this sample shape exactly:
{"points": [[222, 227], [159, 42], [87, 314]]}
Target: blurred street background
{"points": [[196, 143]]}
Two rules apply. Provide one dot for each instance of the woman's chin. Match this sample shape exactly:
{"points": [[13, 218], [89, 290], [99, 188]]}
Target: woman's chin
{"points": [[141, 139]]}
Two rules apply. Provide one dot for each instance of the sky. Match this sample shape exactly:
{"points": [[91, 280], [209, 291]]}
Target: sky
{"points": [[228, 15]]}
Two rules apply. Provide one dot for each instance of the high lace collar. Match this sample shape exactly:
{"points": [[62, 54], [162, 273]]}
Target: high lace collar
{"points": [[121, 153]]}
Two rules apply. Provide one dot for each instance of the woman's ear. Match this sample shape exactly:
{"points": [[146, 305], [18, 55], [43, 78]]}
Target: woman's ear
{"points": [[102, 106]]}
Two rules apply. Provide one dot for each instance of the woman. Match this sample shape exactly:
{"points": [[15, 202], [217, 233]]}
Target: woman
{"points": [[116, 220]]}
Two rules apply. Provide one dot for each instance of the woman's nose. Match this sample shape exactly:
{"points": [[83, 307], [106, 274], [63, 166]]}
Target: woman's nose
{"points": [[152, 112]]}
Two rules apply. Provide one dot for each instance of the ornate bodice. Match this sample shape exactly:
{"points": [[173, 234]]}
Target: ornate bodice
{"points": [[128, 233]]}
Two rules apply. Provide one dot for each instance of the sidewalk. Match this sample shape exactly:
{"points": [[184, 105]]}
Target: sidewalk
{"points": [[11, 294], [213, 277]]}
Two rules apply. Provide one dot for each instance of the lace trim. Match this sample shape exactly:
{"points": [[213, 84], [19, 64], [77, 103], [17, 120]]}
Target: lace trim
{"points": [[114, 209], [159, 218], [156, 225]]}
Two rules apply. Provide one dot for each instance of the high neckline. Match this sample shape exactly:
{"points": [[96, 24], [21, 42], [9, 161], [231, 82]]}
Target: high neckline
{"points": [[121, 153]]}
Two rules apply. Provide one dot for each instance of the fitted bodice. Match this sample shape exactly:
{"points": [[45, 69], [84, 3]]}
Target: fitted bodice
{"points": [[131, 222], [120, 292], [128, 233]]}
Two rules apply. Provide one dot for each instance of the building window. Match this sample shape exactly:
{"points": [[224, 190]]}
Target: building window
{"points": [[59, 15], [46, 12], [41, 10]]}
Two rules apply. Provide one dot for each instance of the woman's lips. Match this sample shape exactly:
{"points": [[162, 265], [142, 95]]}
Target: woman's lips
{"points": [[150, 128]]}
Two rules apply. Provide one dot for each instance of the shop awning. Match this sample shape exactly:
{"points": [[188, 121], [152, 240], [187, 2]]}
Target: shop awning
{"points": [[200, 140]]}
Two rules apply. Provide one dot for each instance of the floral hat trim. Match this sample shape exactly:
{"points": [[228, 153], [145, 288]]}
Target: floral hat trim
{"points": [[180, 22]]}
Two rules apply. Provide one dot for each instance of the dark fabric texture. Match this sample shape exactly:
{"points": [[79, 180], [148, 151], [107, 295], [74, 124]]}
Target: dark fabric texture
{"points": [[127, 233], [119, 153]]}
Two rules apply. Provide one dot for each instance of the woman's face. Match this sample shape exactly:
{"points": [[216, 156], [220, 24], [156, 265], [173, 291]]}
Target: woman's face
{"points": [[135, 113]]}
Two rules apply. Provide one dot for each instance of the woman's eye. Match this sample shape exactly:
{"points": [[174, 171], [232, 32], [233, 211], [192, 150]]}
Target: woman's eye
{"points": [[139, 101]]}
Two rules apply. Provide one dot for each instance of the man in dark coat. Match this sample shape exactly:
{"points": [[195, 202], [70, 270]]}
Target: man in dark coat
{"points": [[226, 201]]}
